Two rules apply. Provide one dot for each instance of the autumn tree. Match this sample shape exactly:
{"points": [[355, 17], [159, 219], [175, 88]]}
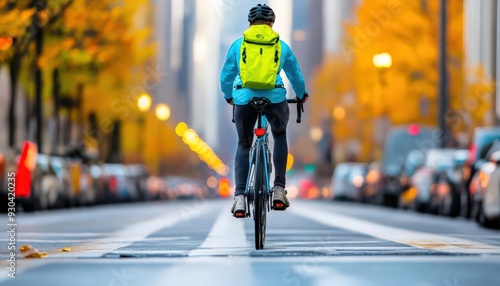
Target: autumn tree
{"points": [[407, 91], [22, 22]]}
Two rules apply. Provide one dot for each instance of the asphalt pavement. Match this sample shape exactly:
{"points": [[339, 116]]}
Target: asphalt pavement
{"points": [[199, 243]]}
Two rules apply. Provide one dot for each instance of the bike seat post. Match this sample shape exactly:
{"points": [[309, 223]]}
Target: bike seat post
{"points": [[259, 104]]}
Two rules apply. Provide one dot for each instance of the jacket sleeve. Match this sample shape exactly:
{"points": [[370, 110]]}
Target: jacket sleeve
{"points": [[292, 71], [229, 72]]}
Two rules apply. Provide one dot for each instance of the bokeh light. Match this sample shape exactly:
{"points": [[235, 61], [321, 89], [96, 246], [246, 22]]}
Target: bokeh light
{"points": [[316, 134], [382, 60], [212, 182], [181, 128], [144, 102], [163, 112], [339, 113], [289, 162]]}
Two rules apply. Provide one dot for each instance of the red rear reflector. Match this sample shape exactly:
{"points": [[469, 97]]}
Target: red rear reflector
{"points": [[240, 214], [260, 132]]}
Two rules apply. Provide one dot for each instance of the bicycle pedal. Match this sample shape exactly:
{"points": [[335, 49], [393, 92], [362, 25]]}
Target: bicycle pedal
{"points": [[240, 215], [279, 206]]}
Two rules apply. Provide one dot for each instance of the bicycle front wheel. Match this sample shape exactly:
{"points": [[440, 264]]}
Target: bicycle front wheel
{"points": [[260, 199]]}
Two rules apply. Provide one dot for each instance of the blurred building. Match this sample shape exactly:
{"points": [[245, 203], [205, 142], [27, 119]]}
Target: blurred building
{"points": [[482, 36], [334, 14], [327, 18], [174, 34]]}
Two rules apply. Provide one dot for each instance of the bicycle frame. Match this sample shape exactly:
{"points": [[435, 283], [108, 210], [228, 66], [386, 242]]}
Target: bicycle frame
{"points": [[260, 143], [258, 190]]}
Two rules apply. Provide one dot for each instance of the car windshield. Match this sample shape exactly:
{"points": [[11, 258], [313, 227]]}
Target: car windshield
{"points": [[440, 158], [341, 174], [400, 143], [484, 140], [42, 162], [57, 165], [357, 170], [414, 160], [95, 171]]}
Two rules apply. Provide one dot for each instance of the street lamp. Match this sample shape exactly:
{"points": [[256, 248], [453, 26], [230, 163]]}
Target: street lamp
{"points": [[382, 61], [144, 102], [163, 112]]}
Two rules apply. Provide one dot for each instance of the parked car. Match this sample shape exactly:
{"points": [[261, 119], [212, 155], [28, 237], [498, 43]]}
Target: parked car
{"points": [[348, 181], [154, 187], [120, 183], [100, 183], [482, 139], [433, 186], [399, 143], [47, 190], [484, 187], [140, 175], [449, 184], [372, 190], [489, 211], [87, 193], [66, 179], [183, 188]]}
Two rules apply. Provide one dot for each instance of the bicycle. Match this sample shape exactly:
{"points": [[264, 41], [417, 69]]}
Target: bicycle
{"points": [[258, 191]]}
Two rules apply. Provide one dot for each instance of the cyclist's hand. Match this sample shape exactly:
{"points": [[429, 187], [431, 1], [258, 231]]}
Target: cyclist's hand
{"points": [[230, 102], [303, 100]]}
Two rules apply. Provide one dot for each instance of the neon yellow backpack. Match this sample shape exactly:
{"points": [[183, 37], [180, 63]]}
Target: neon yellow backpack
{"points": [[260, 57]]}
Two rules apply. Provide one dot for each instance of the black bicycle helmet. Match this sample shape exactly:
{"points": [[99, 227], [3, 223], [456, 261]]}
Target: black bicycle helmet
{"points": [[261, 12]]}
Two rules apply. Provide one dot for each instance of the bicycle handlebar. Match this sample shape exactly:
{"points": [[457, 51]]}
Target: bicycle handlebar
{"points": [[300, 108]]}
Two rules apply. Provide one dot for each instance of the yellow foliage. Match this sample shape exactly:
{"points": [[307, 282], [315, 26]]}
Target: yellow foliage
{"points": [[409, 33]]}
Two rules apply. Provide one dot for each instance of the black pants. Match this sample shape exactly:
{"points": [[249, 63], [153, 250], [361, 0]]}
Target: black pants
{"points": [[245, 117]]}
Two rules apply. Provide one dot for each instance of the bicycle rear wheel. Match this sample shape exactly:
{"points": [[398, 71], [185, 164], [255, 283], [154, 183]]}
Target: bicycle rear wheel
{"points": [[260, 199]]}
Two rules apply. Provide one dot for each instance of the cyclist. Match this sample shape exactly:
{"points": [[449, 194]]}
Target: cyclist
{"points": [[261, 19]]}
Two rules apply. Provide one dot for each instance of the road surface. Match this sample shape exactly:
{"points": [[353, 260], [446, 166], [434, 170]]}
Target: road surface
{"points": [[200, 243]]}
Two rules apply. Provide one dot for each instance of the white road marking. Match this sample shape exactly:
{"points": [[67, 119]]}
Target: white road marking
{"points": [[127, 236], [118, 239], [227, 237], [417, 239]]}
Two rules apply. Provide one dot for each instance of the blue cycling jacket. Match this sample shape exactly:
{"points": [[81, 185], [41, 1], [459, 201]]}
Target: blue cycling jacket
{"points": [[230, 77]]}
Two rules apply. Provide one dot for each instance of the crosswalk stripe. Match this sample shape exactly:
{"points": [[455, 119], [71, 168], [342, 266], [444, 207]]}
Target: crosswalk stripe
{"points": [[99, 247], [227, 237], [417, 239], [133, 233]]}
